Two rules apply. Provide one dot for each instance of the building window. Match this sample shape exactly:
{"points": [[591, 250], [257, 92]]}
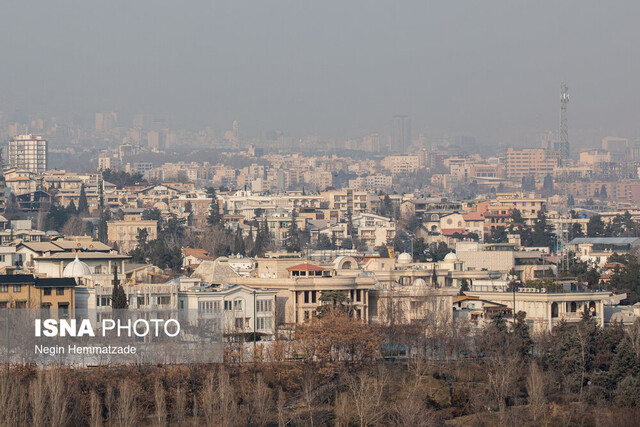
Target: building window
{"points": [[227, 305], [239, 323], [47, 291], [263, 323], [17, 288], [263, 306], [237, 305], [59, 291], [163, 300], [4, 288], [306, 297]]}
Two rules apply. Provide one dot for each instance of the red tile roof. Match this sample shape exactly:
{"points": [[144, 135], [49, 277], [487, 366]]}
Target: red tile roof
{"points": [[473, 216], [305, 266], [452, 231], [196, 252]]}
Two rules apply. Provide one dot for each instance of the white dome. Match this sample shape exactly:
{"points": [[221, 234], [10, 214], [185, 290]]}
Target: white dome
{"points": [[404, 258], [76, 268], [419, 282], [451, 256]]}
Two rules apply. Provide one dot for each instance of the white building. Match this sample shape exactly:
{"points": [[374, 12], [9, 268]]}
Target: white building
{"points": [[240, 309], [28, 152]]}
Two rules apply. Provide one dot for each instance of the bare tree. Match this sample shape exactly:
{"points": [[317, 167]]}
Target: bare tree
{"points": [[308, 387], [127, 405], [342, 410], [96, 415], [411, 411], [536, 391], [160, 416], [38, 400], [261, 403], [58, 391], [208, 398], [367, 396], [180, 406], [501, 370], [280, 408], [110, 404]]}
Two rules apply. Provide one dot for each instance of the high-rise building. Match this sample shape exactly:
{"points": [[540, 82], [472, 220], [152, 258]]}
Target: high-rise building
{"points": [[531, 162], [28, 152], [371, 143], [106, 121], [400, 133]]}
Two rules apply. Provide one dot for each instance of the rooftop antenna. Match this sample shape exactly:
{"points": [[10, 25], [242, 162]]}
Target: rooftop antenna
{"points": [[564, 128]]}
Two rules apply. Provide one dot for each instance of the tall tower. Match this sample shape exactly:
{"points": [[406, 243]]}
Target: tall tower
{"points": [[400, 134], [563, 235], [564, 128]]}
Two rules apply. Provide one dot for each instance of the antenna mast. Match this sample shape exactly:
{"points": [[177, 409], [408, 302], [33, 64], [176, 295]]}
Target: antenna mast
{"points": [[564, 128], [564, 158]]}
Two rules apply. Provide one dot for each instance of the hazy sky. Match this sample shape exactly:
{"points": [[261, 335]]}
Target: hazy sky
{"points": [[490, 68]]}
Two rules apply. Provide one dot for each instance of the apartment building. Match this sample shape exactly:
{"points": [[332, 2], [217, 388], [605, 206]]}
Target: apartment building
{"points": [[29, 291], [28, 152], [124, 233], [402, 164], [530, 162]]}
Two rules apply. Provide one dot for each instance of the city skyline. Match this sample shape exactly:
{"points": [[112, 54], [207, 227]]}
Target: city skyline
{"points": [[320, 70]]}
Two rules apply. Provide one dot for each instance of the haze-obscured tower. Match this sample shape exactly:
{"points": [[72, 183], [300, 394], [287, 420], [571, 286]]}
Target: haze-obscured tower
{"points": [[28, 152], [400, 133], [564, 128]]}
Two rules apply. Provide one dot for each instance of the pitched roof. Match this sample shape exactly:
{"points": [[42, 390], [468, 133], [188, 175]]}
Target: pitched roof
{"points": [[196, 252], [10, 279], [452, 231], [55, 282], [305, 266], [473, 216]]}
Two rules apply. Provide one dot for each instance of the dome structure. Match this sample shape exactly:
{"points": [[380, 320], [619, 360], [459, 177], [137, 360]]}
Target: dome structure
{"points": [[419, 282], [404, 258], [451, 256], [76, 268]]}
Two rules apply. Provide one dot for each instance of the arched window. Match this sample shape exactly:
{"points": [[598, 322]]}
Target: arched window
{"points": [[554, 310]]}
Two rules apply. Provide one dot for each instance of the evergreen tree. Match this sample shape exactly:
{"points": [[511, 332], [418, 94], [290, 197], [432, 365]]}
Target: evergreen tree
{"points": [[596, 227], [238, 243], [214, 218], [292, 243], [516, 216], [575, 231], [603, 192], [118, 296], [83, 205], [387, 206], [524, 342], [71, 209], [248, 241], [542, 231]]}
